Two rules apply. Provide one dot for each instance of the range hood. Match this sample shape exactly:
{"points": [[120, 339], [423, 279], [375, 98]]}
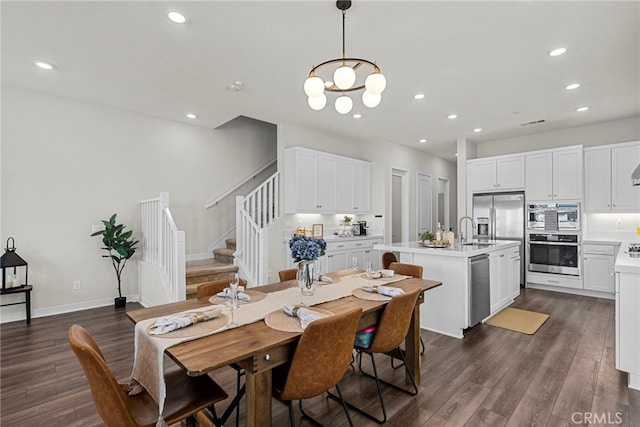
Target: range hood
{"points": [[635, 176]]}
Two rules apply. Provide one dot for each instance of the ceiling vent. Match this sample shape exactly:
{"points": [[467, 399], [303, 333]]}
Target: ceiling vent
{"points": [[535, 122]]}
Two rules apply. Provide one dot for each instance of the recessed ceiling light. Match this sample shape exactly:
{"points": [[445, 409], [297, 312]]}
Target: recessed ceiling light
{"points": [[418, 96], [452, 116], [176, 17], [235, 86], [357, 116], [477, 130], [44, 65], [557, 52], [456, 154], [191, 116], [572, 86], [422, 141], [581, 109]]}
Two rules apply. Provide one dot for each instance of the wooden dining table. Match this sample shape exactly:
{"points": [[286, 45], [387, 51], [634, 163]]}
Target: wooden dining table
{"points": [[257, 348]]}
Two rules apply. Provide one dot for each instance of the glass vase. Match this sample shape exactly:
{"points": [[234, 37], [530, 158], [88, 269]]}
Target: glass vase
{"points": [[306, 276]]}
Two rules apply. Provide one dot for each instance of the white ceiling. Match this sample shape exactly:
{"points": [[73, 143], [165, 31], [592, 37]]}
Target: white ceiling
{"points": [[485, 61]]}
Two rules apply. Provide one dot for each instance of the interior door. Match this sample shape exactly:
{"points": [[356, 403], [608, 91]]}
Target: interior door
{"points": [[396, 208], [425, 191]]}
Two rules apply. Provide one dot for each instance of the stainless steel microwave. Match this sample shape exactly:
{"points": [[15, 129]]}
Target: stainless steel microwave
{"points": [[553, 216]]}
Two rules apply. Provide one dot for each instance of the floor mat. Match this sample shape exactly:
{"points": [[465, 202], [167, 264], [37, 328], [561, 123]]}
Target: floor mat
{"points": [[526, 322]]}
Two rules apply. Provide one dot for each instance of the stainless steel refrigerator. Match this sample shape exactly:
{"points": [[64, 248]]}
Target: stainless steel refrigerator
{"points": [[505, 213]]}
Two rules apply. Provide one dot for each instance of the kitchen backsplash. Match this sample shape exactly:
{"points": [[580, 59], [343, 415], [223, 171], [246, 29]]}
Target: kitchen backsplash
{"points": [[614, 226]]}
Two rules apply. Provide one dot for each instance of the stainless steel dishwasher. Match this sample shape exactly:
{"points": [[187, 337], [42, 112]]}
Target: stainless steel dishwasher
{"points": [[479, 289]]}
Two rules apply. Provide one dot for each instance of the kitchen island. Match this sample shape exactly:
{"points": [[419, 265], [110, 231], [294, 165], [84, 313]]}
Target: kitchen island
{"points": [[627, 294], [448, 309]]}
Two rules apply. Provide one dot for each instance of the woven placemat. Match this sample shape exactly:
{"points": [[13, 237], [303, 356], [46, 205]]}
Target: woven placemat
{"points": [[371, 296], [194, 330], [254, 295], [281, 321]]}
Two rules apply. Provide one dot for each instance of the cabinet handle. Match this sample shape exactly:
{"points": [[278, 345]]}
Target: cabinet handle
{"points": [[614, 205], [613, 274], [358, 244], [340, 246], [553, 281]]}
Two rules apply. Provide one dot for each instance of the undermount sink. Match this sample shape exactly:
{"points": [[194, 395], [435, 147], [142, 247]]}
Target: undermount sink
{"points": [[477, 244]]}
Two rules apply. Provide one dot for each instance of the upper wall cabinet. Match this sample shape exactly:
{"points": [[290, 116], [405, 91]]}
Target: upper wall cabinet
{"points": [[607, 178], [554, 175], [326, 183], [496, 174]]}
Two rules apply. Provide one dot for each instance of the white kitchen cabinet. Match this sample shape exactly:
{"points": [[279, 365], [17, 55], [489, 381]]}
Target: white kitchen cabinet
{"points": [[496, 174], [514, 273], [361, 186], [340, 253], [499, 277], [311, 181], [598, 267], [318, 182], [624, 196], [554, 175], [353, 186], [607, 178]]}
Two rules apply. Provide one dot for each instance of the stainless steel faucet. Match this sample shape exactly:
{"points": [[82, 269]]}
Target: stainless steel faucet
{"points": [[473, 227]]}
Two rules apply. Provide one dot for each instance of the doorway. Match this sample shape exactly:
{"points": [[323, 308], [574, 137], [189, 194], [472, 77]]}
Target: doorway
{"points": [[399, 205], [424, 197], [442, 203]]}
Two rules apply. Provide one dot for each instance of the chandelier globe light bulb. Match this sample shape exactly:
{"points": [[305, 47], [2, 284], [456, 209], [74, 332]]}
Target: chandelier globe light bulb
{"points": [[344, 104], [344, 77], [371, 100], [313, 86], [375, 83], [317, 103]]}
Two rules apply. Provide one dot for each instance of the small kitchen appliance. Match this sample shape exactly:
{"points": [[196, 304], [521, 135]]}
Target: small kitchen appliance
{"points": [[360, 228]]}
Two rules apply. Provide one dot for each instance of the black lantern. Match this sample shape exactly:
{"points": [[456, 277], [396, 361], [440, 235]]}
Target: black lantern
{"points": [[11, 260]]}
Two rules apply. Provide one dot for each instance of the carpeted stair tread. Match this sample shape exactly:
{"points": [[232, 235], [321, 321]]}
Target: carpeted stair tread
{"points": [[231, 243]]}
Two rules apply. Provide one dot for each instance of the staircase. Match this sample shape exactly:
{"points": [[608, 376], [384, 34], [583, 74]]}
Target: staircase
{"points": [[209, 270]]}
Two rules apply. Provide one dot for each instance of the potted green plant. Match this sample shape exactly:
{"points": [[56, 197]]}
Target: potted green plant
{"points": [[120, 246]]}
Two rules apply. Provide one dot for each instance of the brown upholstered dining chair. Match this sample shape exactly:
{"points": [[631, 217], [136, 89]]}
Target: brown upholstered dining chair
{"points": [[408, 270], [387, 259], [321, 358], [185, 395], [206, 290], [289, 274], [391, 330]]}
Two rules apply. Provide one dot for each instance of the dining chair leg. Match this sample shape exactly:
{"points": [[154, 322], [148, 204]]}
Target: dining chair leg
{"points": [[421, 353], [292, 420], [408, 371]]}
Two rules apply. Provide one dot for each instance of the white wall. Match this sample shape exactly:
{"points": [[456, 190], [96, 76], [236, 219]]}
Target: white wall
{"points": [[383, 155], [610, 132], [67, 164]]}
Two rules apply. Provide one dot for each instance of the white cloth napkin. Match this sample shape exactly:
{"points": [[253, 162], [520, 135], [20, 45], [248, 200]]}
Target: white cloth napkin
{"points": [[389, 291], [242, 296], [180, 320], [305, 315], [326, 279]]}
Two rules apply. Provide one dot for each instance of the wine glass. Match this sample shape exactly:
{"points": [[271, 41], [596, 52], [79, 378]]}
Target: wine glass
{"points": [[232, 297], [367, 267], [354, 265]]}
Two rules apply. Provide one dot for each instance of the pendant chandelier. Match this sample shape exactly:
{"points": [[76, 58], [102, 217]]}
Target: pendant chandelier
{"points": [[344, 79]]}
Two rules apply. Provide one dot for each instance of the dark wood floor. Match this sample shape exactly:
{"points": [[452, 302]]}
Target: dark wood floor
{"points": [[563, 375]]}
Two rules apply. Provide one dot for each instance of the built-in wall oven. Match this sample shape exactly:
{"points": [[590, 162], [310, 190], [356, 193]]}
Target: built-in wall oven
{"points": [[554, 253]]}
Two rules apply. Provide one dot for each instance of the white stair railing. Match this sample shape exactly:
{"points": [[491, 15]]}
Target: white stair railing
{"points": [[254, 214], [164, 245]]}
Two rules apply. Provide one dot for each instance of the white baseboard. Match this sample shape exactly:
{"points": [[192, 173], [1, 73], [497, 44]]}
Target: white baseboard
{"points": [[20, 314], [583, 292]]}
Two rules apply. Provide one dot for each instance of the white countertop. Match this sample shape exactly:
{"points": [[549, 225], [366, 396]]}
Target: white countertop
{"points": [[625, 263], [457, 250]]}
